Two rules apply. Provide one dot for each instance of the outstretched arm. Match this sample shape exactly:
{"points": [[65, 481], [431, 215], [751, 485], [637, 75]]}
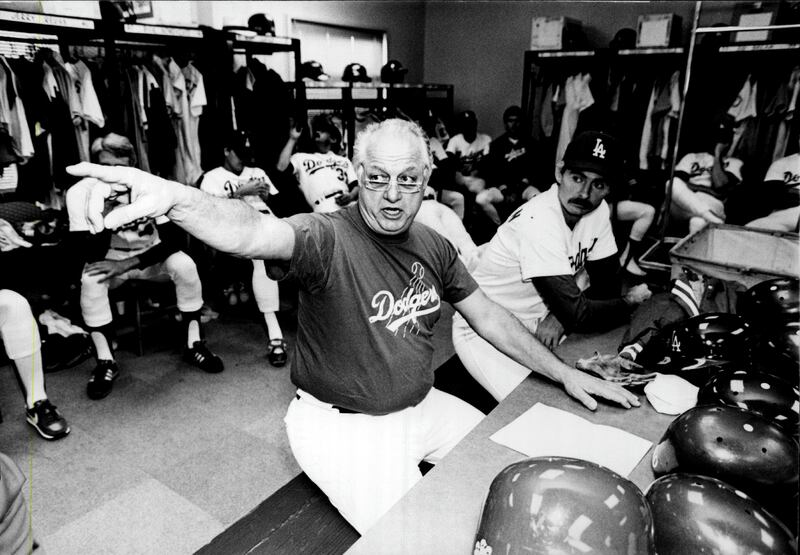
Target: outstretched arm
{"points": [[229, 226], [500, 328], [288, 148]]}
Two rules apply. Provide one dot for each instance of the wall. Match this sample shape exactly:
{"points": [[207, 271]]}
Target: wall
{"points": [[479, 46], [404, 22]]}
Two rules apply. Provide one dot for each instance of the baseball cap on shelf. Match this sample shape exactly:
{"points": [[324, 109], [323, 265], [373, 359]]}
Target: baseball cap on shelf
{"points": [[261, 24], [393, 72], [239, 142], [595, 152], [355, 72], [312, 69]]}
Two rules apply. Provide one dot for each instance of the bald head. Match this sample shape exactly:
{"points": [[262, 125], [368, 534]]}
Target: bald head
{"points": [[397, 129]]}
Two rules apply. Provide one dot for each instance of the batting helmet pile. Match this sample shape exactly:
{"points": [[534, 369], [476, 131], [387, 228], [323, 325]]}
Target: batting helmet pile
{"points": [[698, 514], [562, 505]]}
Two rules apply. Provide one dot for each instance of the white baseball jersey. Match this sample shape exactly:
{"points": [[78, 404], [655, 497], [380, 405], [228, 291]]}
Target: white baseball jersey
{"points": [[695, 168], [470, 154], [787, 171], [535, 241], [223, 183], [322, 178]]}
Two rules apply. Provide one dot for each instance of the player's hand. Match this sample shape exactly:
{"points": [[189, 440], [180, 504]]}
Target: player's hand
{"points": [[295, 131], [585, 387], [130, 193], [638, 294], [344, 199], [107, 269], [9, 238], [254, 186], [550, 331]]}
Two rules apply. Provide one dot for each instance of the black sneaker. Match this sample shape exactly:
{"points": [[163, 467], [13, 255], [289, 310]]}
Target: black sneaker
{"points": [[199, 355], [102, 379], [47, 420]]}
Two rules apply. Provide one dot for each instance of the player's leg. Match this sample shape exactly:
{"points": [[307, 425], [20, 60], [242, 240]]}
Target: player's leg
{"points": [[363, 463], [780, 220], [96, 311], [455, 201], [487, 199], [268, 301], [189, 293], [642, 216], [444, 420], [497, 373], [529, 192], [20, 336], [688, 205]]}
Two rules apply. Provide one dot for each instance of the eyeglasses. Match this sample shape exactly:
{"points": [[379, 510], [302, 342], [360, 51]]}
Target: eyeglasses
{"points": [[405, 184]]}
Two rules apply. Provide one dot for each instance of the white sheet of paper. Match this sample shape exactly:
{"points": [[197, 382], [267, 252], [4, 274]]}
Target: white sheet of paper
{"points": [[544, 431]]}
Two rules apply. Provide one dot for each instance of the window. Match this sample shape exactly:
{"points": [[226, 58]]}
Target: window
{"points": [[336, 47]]}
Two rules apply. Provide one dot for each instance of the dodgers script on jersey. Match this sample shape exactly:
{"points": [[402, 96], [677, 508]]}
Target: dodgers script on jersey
{"points": [[368, 306], [322, 178], [787, 171], [695, 169], [535, 241], [220, 182]]}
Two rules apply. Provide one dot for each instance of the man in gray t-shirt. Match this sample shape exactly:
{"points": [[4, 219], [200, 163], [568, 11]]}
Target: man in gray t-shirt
{"points": [[372, 283]]}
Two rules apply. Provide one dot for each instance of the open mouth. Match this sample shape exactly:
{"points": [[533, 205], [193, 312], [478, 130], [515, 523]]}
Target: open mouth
{"points": [[391, 212]]}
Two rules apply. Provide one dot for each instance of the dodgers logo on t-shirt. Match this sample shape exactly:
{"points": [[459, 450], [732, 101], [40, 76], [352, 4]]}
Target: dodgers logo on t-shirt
{"points": [[417, 299]]}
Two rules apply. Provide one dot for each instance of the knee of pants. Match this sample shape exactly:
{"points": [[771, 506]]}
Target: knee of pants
{"points": [[95, 306], [362, 472], [180, 266], [18, 328], [483, 198], [183, 273]]}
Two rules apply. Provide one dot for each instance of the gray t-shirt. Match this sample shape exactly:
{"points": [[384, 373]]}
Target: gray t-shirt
{"points": [[368, 304]]}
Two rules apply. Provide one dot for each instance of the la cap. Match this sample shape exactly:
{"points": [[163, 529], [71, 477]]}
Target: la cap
{"points": [[596, 152]]}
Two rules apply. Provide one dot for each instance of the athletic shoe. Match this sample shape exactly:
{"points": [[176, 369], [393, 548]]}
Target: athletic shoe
{"points": [[47, 420], [277, 352], [199, 355], [102, 379], [241, 290]]}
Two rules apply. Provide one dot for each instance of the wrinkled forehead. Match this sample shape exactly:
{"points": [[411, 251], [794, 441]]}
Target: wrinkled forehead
{"points": [[396, 148]]}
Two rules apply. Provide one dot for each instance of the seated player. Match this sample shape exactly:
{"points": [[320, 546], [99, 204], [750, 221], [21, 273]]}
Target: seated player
{"points": [[469, 149], [509, 168], [235, 179], [703, 181], [543, 259], [145, 249], [326, 179], [782, 189]]}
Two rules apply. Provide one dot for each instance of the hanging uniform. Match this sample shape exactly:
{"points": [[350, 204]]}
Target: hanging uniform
{"points": [[322, 178]]}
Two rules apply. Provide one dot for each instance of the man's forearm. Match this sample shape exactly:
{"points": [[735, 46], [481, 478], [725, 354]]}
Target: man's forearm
{"points": [[228, 225], [286, 155], [507, 334]]}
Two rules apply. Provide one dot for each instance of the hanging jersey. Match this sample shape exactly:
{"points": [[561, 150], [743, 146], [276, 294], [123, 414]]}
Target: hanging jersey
{"points": [[220, 182], [786, 172], [469, 154], [535, 241], [322, 178], [695, 169]]}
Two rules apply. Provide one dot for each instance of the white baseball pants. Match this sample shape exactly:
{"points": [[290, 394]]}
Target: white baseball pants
{"points": [[497, 373], [18, 328], [178, 267], [365, 463]]}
